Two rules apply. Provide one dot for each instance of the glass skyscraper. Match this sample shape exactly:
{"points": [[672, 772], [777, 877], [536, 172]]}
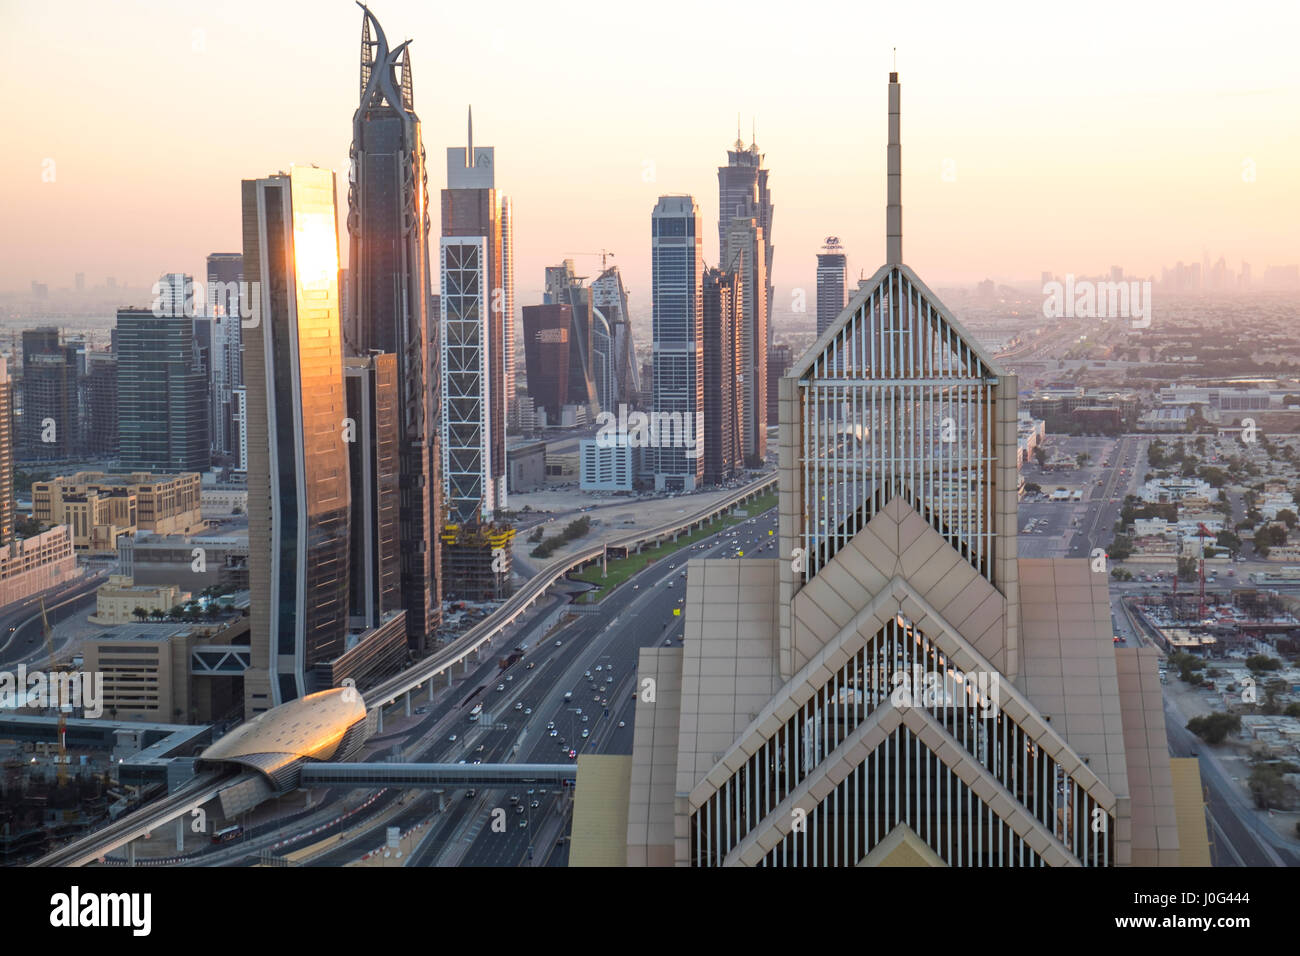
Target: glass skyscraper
{"points": [[298, 468], [391, 283]]}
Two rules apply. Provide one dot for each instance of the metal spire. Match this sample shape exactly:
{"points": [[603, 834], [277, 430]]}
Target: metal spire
{"points": [[469, 153], [894, 191]]}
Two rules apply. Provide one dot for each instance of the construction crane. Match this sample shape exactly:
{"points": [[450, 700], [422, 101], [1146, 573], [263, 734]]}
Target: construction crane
{"points": [[604, 254], [1203, 532], [63, 719]]}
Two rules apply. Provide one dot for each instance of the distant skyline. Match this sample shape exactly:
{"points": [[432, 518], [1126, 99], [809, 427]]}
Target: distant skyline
{"points": [[1032, 140]]}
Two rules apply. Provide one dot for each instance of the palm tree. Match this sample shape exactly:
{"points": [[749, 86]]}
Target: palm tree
{"points": [[140, 613]]}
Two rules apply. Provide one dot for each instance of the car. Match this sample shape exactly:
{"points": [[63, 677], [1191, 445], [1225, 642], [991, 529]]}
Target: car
{"points": [[523, 823], [558, 643], [527, 711], [600, 667], [577, 710], [500, 688], [555, 733], [622, 723], [550, 725], [519, 705], [584, 718], [636, 587], [671, 566], [519, 809], [478, 761], [573, 753], [422, 710], [470, 794], [514, 799], [535, 804], [451, 739], [586, 732], [670, 583], [531, 665]]}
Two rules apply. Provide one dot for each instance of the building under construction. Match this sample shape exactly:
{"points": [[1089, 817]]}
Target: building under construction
{"points": [[477, 563]]}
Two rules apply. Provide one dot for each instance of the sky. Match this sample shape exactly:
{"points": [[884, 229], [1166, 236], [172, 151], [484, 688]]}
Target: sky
{"points": [[1035, 136]]}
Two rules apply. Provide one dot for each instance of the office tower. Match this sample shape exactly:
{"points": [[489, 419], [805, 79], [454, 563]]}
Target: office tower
{"points": [[101, 417], [609, 298], [224, 310], [677, 265], [239, 410], [547, 329], [162, 399], [779, 359], [297, 468], [6, 454], [375, 476], [907, 691], [832, 283], [602, 360], [508, 298], [472, 335], [723, 455], [391, 309], [743, 194], [745, 258], [563, 286], [50, 400]]}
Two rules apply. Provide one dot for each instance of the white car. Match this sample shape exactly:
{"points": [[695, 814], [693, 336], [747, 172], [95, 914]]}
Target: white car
{"points": [[622, 723], [452, 739], [500, 688], [586, 732]]}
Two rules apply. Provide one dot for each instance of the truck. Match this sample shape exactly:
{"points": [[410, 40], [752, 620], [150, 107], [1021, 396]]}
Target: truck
{"points": [[474, 714]]}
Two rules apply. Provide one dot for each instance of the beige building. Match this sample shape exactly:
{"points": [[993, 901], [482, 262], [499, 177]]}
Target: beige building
{"points": [[99, 507], [899, 688], [117, 600], [34, 564]]}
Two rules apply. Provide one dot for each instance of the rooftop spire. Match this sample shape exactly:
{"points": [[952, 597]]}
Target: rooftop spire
{"points": [[740, 143], [469, 153], [894, 207]]}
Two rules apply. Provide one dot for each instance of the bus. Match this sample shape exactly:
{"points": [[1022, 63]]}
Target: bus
{"points": [[474, 714]]}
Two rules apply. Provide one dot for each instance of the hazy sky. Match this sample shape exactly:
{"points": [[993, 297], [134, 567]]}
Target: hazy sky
{"points": [[1075, 136]]}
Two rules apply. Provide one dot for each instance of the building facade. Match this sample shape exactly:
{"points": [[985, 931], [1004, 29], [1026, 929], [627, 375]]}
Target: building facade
{"points": [[677, 268], [832, 283], [50, 401], [298, 468], [743, 256], [391, 303], [723, 453], [99, 508]]}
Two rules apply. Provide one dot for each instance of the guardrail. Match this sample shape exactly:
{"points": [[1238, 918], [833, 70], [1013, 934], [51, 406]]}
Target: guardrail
{"points": [[485, 630]]}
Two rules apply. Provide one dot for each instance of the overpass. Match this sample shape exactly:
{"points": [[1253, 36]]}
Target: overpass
{"points": [[482, 634], [415, 776]]}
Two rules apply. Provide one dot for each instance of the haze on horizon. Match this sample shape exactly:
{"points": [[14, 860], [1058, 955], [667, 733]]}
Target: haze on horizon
{"points": [[1070, 142]]}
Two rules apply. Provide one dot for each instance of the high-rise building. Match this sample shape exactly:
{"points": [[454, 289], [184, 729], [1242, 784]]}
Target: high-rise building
{"points": [[508, 298], [743, 194], [723, 455], [49, 392], [101, 418], [374, 473], [392, 308], [745, 257], [677, 267], [226, 371], [563, 286], [779, 359], [162, 397], [6, 454], [906, 690], [473, 335], [298, 466], [546, 356], [609, 298], [832, 283]]}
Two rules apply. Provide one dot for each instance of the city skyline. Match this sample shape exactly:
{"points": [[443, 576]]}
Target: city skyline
{"points": [[1072, 172]]}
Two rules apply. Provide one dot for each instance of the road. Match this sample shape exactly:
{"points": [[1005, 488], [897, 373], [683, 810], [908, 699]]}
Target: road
{"points": [[22, 640]]}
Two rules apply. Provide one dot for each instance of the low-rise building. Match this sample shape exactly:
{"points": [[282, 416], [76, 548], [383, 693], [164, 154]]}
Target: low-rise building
{"points": [[117, 601], [101, 508], [608, 465], [32, 565]]}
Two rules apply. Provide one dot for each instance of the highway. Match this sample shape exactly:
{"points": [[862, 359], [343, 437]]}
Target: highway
{"points": [[21, 639]]}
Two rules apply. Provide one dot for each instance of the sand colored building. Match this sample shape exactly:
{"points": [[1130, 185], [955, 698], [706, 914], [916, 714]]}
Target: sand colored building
{"points": [[99, 507]]}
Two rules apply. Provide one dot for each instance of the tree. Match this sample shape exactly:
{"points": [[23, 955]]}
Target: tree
{"points": [[1288, 518], [157, 614], [1040, 456], [1258, 663], [1216, 477], [1082, 458], [1267, 786], [1121, 548], [1212, 728], [1226, 539], [140, 613], [1032, 488]]}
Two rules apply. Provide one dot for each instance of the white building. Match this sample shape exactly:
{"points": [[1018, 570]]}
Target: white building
{"points": [[608, 465]]}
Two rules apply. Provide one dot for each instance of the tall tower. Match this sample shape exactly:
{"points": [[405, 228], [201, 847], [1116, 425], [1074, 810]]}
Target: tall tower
{"points": [[745, 245], [907, 690], [832, 283], [723, 454], [391, 285], [6, 454], [473, 337], [298, 466], [677, 268], [225, 284]]}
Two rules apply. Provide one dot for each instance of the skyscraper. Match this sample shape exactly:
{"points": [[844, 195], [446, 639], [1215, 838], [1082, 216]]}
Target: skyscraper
{"points": [[50, 402], [744, 251], [609, 298], [391, 285], [907, 690], [374, 474], [473, 336], [162, 397], [745, 243], [546, 356], [298, 467], [723, 454], [508, 299], [563, 286], [101, 418], [6, 454], [677, 267], [832, 283], [226, 371]]}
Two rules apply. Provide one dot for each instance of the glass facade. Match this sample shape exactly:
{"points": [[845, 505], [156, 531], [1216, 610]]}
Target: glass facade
{"points": [[677, 268]]}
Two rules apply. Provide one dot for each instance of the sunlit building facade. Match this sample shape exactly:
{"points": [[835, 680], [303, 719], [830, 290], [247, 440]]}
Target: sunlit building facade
{"points": [[298, 468]]}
